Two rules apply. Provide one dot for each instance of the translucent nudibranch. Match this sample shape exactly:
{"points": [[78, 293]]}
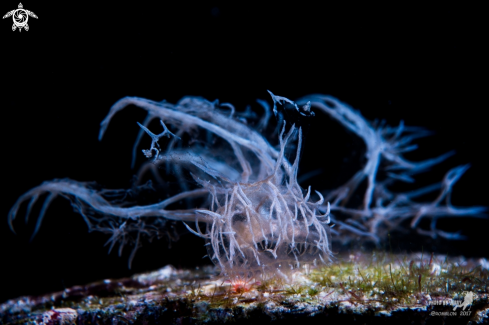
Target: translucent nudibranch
{"points": [[252, 212]]}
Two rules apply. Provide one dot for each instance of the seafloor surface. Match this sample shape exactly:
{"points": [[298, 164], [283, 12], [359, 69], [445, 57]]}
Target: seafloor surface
{"points": [[369, 288]]}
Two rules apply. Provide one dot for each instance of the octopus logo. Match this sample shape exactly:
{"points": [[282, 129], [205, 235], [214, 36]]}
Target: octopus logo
{"points": [[20, 17]]}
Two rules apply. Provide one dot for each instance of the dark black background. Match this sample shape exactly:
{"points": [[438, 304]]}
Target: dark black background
{"points": [[426, 65]]}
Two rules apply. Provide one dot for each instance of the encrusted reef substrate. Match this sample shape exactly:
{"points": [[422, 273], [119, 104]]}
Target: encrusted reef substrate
{"points": [[371, 288]]}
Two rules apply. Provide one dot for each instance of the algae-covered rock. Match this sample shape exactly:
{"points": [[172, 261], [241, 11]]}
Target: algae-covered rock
{"points": [[369, 288]]}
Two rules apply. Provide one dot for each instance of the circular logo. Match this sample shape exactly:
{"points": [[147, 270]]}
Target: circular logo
{"points": [[20, 17]]}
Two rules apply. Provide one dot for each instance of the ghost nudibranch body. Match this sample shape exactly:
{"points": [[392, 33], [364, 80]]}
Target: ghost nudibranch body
{"points": [[252, 213]]}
